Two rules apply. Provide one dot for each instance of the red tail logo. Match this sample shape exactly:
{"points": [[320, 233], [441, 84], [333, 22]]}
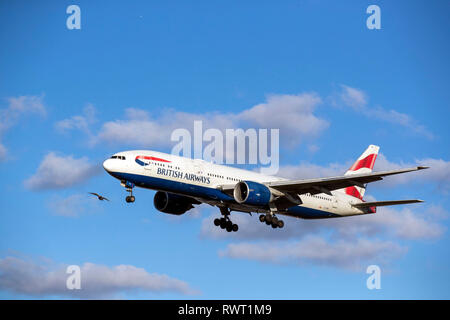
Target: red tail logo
{"points": [[367, 162], [364, 164]]}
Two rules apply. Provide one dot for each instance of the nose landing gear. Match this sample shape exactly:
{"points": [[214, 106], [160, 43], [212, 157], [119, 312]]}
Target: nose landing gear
{"points": [[129, 188]]}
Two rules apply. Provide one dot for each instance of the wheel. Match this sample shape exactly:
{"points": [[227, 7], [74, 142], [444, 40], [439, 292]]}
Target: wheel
{"points": [[235, 228], [267, 222], [274, 220], [262, 218], [280, 223], [274, 225], [223, 223], [268, 218], [216, 222], [229, 228], [127, 199], [229, 224], [132, 198]]}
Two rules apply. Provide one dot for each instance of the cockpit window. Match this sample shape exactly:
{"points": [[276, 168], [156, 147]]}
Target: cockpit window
{"points": [[118, 157]]}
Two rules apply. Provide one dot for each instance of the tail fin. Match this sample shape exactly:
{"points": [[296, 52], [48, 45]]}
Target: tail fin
{"points": [[364, 164]]}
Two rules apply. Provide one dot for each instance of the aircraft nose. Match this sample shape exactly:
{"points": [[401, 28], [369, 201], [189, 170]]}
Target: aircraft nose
{"points": [[107, 165]]}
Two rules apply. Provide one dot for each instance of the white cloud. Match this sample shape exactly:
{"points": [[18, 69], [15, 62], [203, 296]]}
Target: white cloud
{"points": [[347, 243], [74, 205], [351, 255], [137, 114], [137, 131], [17, 108], [438, 173], [407, 223], [418, 223], [3, 152], [79, 122], [399, 118], [353, 97], [58, 172], [41, 279], [357, 100], [313, 148], [292, 114]]}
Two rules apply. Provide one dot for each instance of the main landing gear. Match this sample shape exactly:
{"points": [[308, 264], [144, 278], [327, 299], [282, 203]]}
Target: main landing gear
{"points": [[129, 188], [271, 219], [225, 222]]}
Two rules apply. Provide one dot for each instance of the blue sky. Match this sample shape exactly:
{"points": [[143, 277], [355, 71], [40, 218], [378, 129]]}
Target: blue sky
{"points": [[144, 67]]}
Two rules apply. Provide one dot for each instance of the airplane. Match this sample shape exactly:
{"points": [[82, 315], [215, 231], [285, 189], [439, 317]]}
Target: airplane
{"points": [[182, 183]]}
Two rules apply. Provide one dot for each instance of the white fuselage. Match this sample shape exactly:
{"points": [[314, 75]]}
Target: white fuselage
{"points": [[201, 180]]}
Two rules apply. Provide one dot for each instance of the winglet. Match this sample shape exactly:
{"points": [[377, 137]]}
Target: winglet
{"points": [[422, 167]]}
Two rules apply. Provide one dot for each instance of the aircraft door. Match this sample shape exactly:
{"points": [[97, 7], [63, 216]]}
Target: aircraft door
{"points": [[198, 169], [334, 203], [195, 167]]}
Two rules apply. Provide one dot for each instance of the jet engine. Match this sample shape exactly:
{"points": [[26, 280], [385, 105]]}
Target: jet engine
{"points": [[172, 203], [252, 193]]}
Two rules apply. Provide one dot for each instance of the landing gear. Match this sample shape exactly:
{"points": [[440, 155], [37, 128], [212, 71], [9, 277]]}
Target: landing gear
{"points": [[271, 220], [129, 188], [225, 222]]}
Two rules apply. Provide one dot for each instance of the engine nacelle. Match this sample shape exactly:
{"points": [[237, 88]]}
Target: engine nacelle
{"points": [[252, 193], [172, 203]]}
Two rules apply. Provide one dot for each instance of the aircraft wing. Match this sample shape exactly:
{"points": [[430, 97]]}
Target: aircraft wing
{"points": [[384, 203], [326, 185]]}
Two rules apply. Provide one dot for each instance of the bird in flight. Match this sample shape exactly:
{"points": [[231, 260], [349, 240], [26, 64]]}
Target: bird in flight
{"points": [[99, 196]]}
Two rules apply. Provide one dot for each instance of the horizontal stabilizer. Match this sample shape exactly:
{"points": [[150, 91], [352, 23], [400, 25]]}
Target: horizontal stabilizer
{"points": [[384, 203]]}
